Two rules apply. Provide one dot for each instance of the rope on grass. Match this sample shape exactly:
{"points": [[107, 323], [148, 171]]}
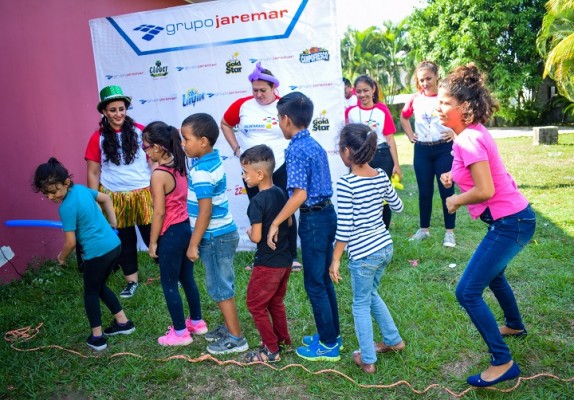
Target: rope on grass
{"points": [[28, 333]]}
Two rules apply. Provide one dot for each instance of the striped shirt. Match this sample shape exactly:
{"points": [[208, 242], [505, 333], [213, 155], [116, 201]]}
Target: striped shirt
{"points": [[207, 180], [360, 212]]}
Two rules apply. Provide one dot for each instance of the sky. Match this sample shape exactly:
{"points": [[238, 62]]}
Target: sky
{"points": [[361, 14]]}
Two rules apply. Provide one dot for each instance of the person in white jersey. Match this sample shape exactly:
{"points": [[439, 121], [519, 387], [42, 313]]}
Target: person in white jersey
{"points": [[255, 121], [433, 150], [372, 112]]}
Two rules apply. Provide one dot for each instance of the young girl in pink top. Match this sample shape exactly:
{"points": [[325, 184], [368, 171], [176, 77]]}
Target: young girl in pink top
{"points": [[171, 232], [464, 105]]}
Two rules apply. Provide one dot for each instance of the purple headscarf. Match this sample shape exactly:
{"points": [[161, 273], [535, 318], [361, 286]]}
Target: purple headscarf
{"points": [[258, 74]]}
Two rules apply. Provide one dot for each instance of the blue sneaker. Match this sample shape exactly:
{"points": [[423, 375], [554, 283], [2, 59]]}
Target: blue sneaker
{"points": [[312, 340], [319, 352]]}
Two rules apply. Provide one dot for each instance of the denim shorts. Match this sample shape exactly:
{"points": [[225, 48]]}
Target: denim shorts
{"points": [[217, 255]]}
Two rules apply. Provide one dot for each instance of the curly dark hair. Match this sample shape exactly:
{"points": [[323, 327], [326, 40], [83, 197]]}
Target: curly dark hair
{"points": [[111, 145], [466, 85], [361, 141]]}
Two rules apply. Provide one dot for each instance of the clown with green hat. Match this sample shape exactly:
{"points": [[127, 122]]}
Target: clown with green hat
{"points": [[118, 166], [112, 93]]}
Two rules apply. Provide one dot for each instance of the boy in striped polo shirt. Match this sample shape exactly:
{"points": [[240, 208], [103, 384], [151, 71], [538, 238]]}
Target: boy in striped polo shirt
{"points": [[214, 236]]}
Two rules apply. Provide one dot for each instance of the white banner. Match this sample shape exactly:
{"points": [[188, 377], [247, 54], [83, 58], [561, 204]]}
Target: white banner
{"points": [[196, 58]]}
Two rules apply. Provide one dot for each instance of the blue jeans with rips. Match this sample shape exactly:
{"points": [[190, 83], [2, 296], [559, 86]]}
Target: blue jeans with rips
{"points": [[366, 274], [317, 233], [504, 240], [174, 267]]}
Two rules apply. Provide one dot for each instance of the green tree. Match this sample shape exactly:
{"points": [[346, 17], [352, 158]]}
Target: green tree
{"points": [[498, 35], [555, 43]]}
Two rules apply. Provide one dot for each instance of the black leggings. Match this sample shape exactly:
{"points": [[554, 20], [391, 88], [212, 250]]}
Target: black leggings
{"points": [[129, 238], [280, 180], [96, 272], [382, 159]]}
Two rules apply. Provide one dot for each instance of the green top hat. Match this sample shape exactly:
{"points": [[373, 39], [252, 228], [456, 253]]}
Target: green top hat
{"points": [[112, 93]]}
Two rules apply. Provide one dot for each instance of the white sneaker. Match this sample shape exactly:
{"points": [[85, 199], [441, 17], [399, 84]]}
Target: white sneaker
{"points": [[419, 235], [449, 240]]}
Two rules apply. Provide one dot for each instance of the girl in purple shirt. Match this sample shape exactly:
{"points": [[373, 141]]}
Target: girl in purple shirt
{"points": [[464, 105]]}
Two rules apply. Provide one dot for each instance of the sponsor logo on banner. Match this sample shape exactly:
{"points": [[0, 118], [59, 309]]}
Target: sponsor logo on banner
{"points": [[185, 68], [193, 96], [158, 99], [185, 29], [287, 57], [310, 85], [321, 123], [233, 66], [314, 54], [158, 70], [122, 76]]}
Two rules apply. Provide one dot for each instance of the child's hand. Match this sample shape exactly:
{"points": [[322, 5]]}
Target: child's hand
{"points": [[273, 236], [192, 253], [334, 271], [61, 260], [152, 250]]}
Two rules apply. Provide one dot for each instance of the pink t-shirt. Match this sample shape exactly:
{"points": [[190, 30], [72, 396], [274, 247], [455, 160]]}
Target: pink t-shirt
{"points": [[473, 145]]}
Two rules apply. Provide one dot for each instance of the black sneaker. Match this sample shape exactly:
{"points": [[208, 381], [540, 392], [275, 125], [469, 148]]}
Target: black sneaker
{"points": [[117, 329], [98, 344], [129, 290]]}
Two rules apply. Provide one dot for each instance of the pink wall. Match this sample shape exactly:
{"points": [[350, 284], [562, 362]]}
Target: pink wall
{"points": [[48, 108]]}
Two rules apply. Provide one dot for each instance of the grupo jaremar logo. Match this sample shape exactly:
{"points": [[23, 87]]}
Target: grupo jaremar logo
{"points": [[150, 31]]}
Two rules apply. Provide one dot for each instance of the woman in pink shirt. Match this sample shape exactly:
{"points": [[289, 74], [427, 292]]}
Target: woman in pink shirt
{"points": [[490, 193]]}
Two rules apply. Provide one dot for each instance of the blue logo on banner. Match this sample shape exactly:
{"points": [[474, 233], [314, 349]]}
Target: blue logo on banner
{"points": [[150, 31]]}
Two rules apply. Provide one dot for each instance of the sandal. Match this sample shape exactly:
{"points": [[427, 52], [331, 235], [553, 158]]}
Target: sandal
{"points": [[262, 355], [297, 266]]}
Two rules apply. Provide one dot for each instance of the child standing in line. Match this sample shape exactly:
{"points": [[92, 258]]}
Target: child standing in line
{"points": [[271, 268], [84, 223], [360, 228], [214, 236], [310, 190], [171, 232]]}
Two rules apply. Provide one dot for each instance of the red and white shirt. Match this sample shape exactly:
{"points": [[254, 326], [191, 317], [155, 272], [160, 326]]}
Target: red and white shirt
{"points": [[257, 124], [123, 177], [378, 118]]}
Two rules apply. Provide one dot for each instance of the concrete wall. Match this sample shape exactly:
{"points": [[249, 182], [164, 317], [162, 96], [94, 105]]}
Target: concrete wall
{"points": [[48, 108]]}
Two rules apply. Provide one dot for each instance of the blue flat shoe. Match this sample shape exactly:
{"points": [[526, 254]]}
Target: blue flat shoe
{"points": [[476, 380]]}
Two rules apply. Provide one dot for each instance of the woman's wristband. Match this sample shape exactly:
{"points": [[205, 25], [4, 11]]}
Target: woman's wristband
{"points": [[235, 150]]}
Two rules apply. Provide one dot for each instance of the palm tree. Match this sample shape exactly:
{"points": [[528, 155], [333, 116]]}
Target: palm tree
{"points": [[555, 43]]}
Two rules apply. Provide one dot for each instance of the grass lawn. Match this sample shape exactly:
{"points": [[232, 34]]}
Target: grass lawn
{"points": [[443, 347]]}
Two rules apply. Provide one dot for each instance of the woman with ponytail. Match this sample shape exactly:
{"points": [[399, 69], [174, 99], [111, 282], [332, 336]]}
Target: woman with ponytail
{"points": [[171, 232], [490, 193], [118, 166]]}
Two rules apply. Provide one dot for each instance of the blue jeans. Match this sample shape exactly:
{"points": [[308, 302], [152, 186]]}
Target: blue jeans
{"points": [[366, 274], [174, 267], [504, 239], [217, 255], [430, 162], [317, 233]]}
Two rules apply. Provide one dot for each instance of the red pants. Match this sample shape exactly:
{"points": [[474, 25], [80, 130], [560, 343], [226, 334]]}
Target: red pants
{"points": [[265, 294]]}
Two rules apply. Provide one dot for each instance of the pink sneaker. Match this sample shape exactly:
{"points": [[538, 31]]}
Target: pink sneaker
{"points": [[171, 339], [197, 329]]}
